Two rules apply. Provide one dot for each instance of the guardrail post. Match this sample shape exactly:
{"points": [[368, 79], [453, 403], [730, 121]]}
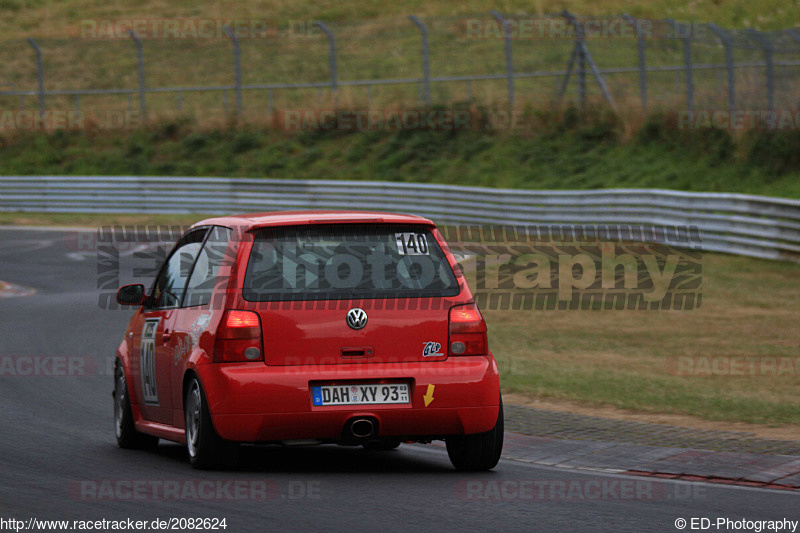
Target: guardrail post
{"points": [[331, 54], [140, 74], [640, 45], [506, 25], [726, 42], [237, 65], [687, 58], [39, 73], [766, 45], [426, 72]]}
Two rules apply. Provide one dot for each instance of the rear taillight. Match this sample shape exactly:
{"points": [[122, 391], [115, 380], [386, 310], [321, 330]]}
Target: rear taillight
{"points": [[238, 338], [467, 331]]}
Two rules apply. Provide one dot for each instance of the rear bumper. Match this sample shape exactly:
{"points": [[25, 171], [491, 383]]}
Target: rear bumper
{"points": [[253, 402]]}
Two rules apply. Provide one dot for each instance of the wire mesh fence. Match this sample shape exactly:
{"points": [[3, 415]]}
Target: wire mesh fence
{"points": [[491, 59]]}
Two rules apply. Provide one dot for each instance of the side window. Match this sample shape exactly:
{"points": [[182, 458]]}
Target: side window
{"points": [[172, 280], [204, 276]]}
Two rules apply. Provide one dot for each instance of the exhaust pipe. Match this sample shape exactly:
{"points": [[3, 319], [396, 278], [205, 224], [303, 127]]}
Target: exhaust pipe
{"points": [[362, 428]]}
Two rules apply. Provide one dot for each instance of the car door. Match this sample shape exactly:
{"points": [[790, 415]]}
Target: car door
{"points": [[160, 312], [188, 325]]}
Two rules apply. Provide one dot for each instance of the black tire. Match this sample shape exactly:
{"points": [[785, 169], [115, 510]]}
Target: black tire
{"points": [[124, 428], [382, 445], [480, 451], [206, 450]]}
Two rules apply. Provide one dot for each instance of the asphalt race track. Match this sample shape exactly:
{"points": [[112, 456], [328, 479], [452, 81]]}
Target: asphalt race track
{"points": [[59, 459]]}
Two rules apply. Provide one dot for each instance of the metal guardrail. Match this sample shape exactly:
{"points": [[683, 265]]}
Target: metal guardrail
{"points": [[756, 226]]}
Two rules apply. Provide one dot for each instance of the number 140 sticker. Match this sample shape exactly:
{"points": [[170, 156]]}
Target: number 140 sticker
{"points": [[412, 243]]}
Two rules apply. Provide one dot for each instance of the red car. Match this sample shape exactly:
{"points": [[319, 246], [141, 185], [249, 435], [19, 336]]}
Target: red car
{"points": [[345, 327]]}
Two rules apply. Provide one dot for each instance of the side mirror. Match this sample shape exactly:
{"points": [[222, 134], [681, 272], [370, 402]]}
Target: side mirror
{"points": [[131, 294]]}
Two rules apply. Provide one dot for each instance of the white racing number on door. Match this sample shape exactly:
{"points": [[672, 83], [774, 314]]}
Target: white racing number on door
{"points": [[148, 361]]}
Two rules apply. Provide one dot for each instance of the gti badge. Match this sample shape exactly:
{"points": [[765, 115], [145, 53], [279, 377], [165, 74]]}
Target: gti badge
{"points": [[432, 349], [356, 318]]}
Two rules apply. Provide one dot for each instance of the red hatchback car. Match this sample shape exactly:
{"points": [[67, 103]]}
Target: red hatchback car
{"points": [[345, 327]]}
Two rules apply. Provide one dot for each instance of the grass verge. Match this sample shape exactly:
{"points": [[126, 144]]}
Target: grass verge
{"points": [[626, 359], [551, 151]]}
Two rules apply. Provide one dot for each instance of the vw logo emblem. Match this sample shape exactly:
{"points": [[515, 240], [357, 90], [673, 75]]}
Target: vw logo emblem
{"points": [[356, 318]]}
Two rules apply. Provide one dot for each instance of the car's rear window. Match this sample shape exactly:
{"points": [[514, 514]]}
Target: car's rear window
{"points": [[342, 261]]}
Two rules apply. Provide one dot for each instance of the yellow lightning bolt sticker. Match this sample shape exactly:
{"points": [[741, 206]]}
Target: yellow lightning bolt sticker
{"points": [[429, 395]]}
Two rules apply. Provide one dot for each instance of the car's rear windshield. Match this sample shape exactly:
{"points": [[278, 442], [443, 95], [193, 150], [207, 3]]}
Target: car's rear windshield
{"points": [[343, 261]]}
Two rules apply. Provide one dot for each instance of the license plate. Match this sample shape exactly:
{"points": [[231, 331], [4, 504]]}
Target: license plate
{"points": [[365, 394]]}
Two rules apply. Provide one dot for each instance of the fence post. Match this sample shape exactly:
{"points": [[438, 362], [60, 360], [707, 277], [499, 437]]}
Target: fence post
{"points": [[509, 58], [726, 42], [426, 71], [331, 54], [39, 73], [570, 65], [642, 62], [237, 65], [581, 63], [584, 55], [766, 44], [140, 74], [687, 58]]}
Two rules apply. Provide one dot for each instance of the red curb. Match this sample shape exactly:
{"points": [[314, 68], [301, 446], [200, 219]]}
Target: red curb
{"points": [[710, 479], [722, 481]]}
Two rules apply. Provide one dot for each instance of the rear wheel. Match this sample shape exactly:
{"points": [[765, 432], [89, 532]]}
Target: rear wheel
{"points": [[480, 451], [124, 428], [205, 448]]}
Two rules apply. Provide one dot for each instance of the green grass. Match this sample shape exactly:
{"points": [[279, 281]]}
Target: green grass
{"points": [[58, 17], [625, 359], [550, 153]]}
